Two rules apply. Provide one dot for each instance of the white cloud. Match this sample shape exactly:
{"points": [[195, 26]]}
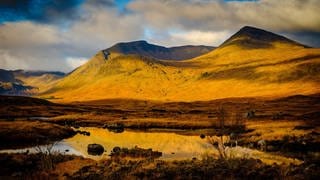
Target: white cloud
{"points": [[75, 62], [7, 61], [34, 46], [28, 35], [284, 15], [196, 37]]}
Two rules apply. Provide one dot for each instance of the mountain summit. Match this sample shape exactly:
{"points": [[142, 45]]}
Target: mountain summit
{"points": [[158, 52], [254, 38]]}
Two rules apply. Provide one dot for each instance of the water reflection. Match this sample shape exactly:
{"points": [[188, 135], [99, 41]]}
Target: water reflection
{"points": [[172, 145], [58, 147]]}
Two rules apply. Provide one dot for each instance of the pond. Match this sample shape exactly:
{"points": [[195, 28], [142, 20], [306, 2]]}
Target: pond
{"points": [[172, 144]]}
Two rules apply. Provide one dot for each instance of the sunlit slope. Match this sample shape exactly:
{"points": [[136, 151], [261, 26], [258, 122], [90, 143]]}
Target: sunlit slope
{"points": [[245, 65], [255, 62], [234, 72], [40, 83], [20, 82], [119, 76]]}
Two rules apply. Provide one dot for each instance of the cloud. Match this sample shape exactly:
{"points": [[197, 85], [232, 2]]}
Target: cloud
{"points": [[196, 37], [40, 11], [28, 45], [75, 62], [305, 37], [286, 15], [58, 35], [47, 46], [24, 35]]}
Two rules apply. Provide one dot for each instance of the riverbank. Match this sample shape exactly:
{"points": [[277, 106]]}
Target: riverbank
{"points": [[73, 167], [21, 134], [289, 127]]}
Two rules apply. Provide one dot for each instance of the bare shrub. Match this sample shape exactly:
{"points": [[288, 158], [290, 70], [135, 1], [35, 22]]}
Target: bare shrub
{"points": [[230, 125], [46, 154]]}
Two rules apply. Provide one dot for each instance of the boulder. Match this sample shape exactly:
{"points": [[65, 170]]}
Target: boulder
{"points": [[95, 149], [116, 127]]}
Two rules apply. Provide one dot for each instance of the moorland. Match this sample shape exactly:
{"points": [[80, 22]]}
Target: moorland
{"points": [[258, 93]]}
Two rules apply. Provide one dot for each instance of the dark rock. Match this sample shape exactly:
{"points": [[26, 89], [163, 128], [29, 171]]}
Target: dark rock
{"points": [[116, 149], [116, 127], [95, 149]]}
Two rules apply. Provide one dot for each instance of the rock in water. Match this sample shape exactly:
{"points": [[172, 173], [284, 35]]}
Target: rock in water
{"points": [[95, 149]]}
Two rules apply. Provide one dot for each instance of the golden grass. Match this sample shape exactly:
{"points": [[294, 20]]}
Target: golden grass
{"points": [[72, 166], [225, 72], [42, 83], [275, 130]]}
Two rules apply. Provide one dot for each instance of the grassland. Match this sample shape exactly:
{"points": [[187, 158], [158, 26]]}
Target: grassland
{"points": [[19, 134], [261, 91], [293, 116], [289, 125]]}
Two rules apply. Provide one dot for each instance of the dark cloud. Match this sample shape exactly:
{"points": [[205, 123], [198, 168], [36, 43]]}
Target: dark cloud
{"points": [[14, 4], [44, 11], [308, 38], [101, 2]]}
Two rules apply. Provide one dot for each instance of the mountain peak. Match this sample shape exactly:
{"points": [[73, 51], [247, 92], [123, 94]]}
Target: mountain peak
{"points": [[133, 43], [252, 38]]}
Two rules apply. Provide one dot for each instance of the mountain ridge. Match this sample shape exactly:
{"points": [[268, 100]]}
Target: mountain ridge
{"points": [[252, 37], [24, 82], [280, 67], [144, 48]]}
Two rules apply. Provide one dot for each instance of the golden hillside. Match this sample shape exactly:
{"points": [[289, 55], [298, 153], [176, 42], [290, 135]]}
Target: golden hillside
{"points": [[252, 62]]}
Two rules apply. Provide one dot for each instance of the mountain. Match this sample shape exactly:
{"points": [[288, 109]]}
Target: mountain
{"points": [[158, 52], [20, 82], [6, 76], [37, 73], [251, 37], [253, 62], [9, 85]]}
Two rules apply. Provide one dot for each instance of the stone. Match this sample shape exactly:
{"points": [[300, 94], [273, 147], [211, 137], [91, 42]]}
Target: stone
{"points": [[95, 149]]}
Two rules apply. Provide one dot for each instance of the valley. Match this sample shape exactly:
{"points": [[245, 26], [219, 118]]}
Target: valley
{"points": [[286, 124], [248, 107]]}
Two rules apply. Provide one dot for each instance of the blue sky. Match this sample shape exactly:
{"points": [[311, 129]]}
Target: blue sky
{"points": [[62, 34]]}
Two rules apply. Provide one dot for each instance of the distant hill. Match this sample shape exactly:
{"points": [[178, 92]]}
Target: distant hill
{"points": [[7, 76], [252, 62], [9, 85], [158, 52], [21, 82], [37, 73]]}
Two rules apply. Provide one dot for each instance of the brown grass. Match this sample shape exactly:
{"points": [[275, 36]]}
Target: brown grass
{"points": [[29, 133]]}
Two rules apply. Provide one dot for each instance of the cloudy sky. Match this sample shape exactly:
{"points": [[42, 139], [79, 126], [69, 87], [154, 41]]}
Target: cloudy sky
{"points": [[62, 34]]}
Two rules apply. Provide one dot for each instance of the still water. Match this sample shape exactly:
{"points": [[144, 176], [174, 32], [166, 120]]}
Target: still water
{"points": [[174, 146], [171, 144]]}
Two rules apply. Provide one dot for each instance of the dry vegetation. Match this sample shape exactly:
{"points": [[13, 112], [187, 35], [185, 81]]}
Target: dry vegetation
{"points": [[289, 126], [267, 119], [228, 71], [15, 134], [71, 167]]}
